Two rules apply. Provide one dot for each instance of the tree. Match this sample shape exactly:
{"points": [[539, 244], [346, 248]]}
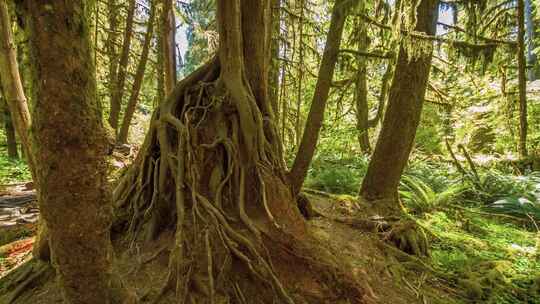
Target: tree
{"points": [[402, 117], [211, 169], [139, 76], [320, 97], [361, 91], [121, 73], [522, 80], [11, 140], [12, 86], [168, 45], [74, 195]]}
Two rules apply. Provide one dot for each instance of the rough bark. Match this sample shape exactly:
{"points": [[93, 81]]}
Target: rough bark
{"points": [[211, 169], [121, 73], [11, 139], [139, 77], [12, 86], [74, 196], [402, 116], [168, 47], [522, 80], [320, 97]]}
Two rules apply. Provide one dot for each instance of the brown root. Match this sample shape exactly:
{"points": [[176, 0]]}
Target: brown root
{"points": [[236, 222]]}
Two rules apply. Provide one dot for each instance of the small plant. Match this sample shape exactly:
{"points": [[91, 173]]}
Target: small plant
{"points": [[420, 197]]}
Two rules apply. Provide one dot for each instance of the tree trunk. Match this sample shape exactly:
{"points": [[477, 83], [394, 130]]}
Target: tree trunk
{"points": [[12, 86], [300, 77], [74, 194], [402, 116], [320, 97], [210, 168], [139, 76], [168, 30], [118, 93], [361, 92], [10, 134], [275, 66], [112, 49], [522, 80], [529, 26]]}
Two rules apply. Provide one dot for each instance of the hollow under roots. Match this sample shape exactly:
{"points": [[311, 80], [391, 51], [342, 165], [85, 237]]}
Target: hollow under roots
{"points": [[238, 234]]}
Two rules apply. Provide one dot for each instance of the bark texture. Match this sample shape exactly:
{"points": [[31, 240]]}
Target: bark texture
{"points": [[406, 98], [315, 118], [139, 77], [74, 196], [118, 93]]}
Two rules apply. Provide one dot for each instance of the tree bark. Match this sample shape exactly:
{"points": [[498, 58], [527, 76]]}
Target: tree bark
{"points": [[74, 196], [118, 93], [320, 97], [12, 86], [361, 92], [402, 116], [139, 77], [522, 80], [168, 30], [11, 139]]}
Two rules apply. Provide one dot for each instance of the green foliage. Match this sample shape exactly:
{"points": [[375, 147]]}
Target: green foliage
{"points": [[334, 175], [12, 171], [489, 260], [420, 197]]}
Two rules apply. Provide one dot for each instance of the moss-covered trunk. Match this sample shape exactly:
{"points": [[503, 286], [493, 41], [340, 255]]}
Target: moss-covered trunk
{"points": [[211, 169], [74, 196], [402, 117]]}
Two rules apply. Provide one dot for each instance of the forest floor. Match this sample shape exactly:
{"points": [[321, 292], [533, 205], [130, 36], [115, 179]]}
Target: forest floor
{"points": [[475, 258]]}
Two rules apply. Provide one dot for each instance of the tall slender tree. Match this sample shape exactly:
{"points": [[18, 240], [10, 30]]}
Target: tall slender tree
{"points": [[406, 98], [11, 139], [168, 45], [522, 80], [122, 67], [320, 97], [12, 86], [74, 196], [139, 77]]}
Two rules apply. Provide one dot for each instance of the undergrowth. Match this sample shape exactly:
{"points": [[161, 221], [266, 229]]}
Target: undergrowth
{"points": [[484, 228], [12, 170]]}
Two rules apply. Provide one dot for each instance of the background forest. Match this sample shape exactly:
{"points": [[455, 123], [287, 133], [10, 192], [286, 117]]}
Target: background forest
{"points": [[470, 186]]}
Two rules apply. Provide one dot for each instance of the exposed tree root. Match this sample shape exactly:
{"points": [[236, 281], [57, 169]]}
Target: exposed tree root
{"points": [[33, 273], [211, 155]]}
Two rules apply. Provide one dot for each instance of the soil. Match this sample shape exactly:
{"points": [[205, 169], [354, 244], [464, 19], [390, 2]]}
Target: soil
{"points": [[387, 280]]}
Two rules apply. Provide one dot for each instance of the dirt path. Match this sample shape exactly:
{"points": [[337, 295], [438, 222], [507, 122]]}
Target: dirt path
{"points": [[19, 214]]}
